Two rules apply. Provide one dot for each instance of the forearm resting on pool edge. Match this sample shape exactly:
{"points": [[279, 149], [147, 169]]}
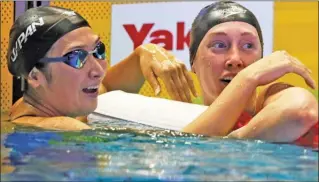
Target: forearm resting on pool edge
{"points": [[282, 119], [222, 114]]}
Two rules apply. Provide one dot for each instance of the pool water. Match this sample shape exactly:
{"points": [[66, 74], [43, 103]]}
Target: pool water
{"points": [[123, 151]]}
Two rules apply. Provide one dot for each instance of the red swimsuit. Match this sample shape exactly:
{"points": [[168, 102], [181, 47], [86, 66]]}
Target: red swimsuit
{"points": [[310, 139]]}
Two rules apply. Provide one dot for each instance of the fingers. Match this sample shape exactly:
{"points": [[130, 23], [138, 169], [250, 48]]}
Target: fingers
{"points": [[164, 70], [299, 68], [185, 85], [159, 65], [311, 83], [170, 87], [181, 85], [302, 71], [149, 75], [174, 73], [189, 80], [300, 64], [172, 81], [184, 75], [151, 78]]}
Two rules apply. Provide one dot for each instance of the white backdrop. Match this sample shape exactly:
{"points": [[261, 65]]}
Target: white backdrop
{"points": [[148, 21]]}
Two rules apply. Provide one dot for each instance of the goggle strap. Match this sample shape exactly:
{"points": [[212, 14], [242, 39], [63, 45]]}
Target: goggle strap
{"points": [[53, 60]]}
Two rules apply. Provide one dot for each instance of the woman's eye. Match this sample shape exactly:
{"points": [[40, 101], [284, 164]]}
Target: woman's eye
{"points": [[219, 45], [248, 46]]}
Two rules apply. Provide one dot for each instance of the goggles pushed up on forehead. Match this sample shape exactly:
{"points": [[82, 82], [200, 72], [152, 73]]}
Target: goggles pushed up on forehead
{"points": [[77, 58]]}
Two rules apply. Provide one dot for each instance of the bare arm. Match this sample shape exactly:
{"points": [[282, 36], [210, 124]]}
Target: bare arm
{"points": [[285, 116], [150, 62], [222, 115], [126, 75]]}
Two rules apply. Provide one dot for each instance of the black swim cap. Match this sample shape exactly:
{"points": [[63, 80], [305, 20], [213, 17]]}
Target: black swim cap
{"points": [[217, 13], [34, 32]]}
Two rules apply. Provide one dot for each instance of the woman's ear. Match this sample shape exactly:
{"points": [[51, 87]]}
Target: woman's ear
{"points": [[36, 78], [193, 68]]}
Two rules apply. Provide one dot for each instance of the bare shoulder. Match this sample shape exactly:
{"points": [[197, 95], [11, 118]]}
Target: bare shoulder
{"points": [[52, 123], [277, 90]]}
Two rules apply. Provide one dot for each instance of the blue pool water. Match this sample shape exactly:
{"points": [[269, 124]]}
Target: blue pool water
{"points": [[123, 151]]}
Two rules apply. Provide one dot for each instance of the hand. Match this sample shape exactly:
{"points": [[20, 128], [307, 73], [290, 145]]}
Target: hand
{"points": [[276, 65], [156, 62]]}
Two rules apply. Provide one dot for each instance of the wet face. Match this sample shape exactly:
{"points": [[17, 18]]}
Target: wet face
{"points": [[71, 91], [225, 50]]}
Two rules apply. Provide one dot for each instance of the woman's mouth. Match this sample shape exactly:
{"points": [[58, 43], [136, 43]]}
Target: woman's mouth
{"points": [[92, 90], [226, 80]]}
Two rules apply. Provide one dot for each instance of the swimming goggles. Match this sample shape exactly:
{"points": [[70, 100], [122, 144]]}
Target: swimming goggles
{"points": [[78, 58]]}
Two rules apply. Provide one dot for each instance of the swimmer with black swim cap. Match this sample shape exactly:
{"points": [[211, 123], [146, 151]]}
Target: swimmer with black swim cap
{"points": [[50, 47], [217, 13], [39, 27], [226, 53], [64, 63]]}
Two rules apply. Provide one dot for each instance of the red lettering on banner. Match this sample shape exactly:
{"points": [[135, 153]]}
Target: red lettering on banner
{"points": [[138, 37], [163, 36], [158, 36], [181, 39]]}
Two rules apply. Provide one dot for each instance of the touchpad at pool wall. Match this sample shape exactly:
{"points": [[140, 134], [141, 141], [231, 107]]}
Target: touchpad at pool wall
{"points": [[158, 112]]}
